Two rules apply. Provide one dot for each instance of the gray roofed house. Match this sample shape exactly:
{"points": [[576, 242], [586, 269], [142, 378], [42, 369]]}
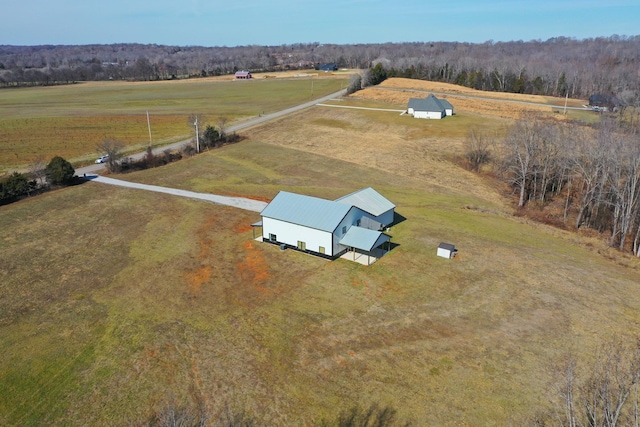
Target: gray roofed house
{"points": [[329, 228], [429, 107], [329, 66]]}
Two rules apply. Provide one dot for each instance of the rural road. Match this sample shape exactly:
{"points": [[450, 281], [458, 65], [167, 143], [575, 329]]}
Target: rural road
{"points": [[236, 202], [90, 172], [92, 169]]}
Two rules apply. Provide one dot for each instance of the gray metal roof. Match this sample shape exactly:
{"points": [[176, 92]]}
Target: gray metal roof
{"points": [[430, 103], [363, 238], [304, 210], [447, 246], [368, 200], [414, 102], [446, 104]]}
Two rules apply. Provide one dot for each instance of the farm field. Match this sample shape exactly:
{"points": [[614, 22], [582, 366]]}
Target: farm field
{"points": [[482, 103], [70, 120], [114, 302]]}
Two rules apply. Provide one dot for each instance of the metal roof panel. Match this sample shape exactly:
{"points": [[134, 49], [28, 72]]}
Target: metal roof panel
{"points": [[304, 210], [363, 238], [368, 200]]}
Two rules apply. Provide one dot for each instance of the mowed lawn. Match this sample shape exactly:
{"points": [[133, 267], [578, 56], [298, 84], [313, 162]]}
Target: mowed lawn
{"points": [[71, 120], [114, 302]]}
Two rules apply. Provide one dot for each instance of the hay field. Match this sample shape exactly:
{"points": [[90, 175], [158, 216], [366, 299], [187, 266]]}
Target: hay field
{"points": [[113, 302], [399, 90], [386, 141], [70, 120]]}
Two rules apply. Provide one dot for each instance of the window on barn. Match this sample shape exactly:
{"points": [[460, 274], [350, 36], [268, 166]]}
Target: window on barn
{"points": [[321, 249], [272, 237], [344, 229], [302, 246]]}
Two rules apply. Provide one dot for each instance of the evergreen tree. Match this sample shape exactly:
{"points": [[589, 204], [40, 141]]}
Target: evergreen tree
{"points": [[59, 171]]}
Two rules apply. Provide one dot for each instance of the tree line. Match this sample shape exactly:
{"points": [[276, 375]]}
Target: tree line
{"points": [[558, 66], [58, 172], [582, 176]]}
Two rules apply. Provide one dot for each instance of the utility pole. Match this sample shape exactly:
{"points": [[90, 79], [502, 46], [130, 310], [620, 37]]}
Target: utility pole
{"points": [[149, 126], [197, 136], [566, 98]]}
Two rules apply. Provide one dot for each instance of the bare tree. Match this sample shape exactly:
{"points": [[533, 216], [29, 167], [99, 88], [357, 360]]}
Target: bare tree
{"points": [[112, 148], [37, 169], [603, 393], [520, 150], [589, 163], [477, 151], [222, 126], [355, 84]]}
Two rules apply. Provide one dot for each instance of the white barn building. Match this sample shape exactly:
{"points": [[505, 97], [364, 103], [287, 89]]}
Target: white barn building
{"points": [[429, 108], [328, 228]]}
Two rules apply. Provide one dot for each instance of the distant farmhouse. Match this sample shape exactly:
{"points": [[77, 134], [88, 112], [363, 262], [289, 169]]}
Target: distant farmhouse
{"points": [[599, 102], [329, 228], [429, 108], [243, 75], [329, 66]]}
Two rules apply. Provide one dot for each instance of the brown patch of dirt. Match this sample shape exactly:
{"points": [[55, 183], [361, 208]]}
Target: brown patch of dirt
{"points": [[242, 228], [202, 274], [254, 270], [196, 278]]}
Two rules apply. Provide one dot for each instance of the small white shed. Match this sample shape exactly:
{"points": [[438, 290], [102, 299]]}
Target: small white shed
{"points": [[447, 250]]}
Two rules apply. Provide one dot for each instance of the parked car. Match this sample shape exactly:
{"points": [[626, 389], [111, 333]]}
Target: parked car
{"points": [[102, 159]]}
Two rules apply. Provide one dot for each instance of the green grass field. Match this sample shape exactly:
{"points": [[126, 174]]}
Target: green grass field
{"points": [[114, 301], [70, 120]]}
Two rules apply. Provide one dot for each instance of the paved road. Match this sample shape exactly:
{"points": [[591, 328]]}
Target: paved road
{"points": [[236, 202], [244, 125], [90, 172]]}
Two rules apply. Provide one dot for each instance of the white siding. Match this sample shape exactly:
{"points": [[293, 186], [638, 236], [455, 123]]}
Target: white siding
{"points": [[427, 114], [291, 234], [448, 111], [444, 253]]}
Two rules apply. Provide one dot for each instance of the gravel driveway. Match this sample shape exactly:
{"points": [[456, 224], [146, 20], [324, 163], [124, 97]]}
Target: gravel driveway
{"points": [[236, 202]]}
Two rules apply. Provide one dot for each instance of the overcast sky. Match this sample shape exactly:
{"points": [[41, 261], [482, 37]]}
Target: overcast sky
{"points": [[276, 22]]}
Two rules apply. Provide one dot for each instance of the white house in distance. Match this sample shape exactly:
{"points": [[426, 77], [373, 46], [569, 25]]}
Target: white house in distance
{"points": [[429, 108], [329, 228]]}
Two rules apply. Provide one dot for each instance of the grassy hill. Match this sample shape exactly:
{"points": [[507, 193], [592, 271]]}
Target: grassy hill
{"points": [[114, 302]]}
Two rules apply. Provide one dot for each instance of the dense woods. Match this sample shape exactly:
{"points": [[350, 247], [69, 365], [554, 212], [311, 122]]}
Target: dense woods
{"points": [[591, 175], [557, 66]]}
